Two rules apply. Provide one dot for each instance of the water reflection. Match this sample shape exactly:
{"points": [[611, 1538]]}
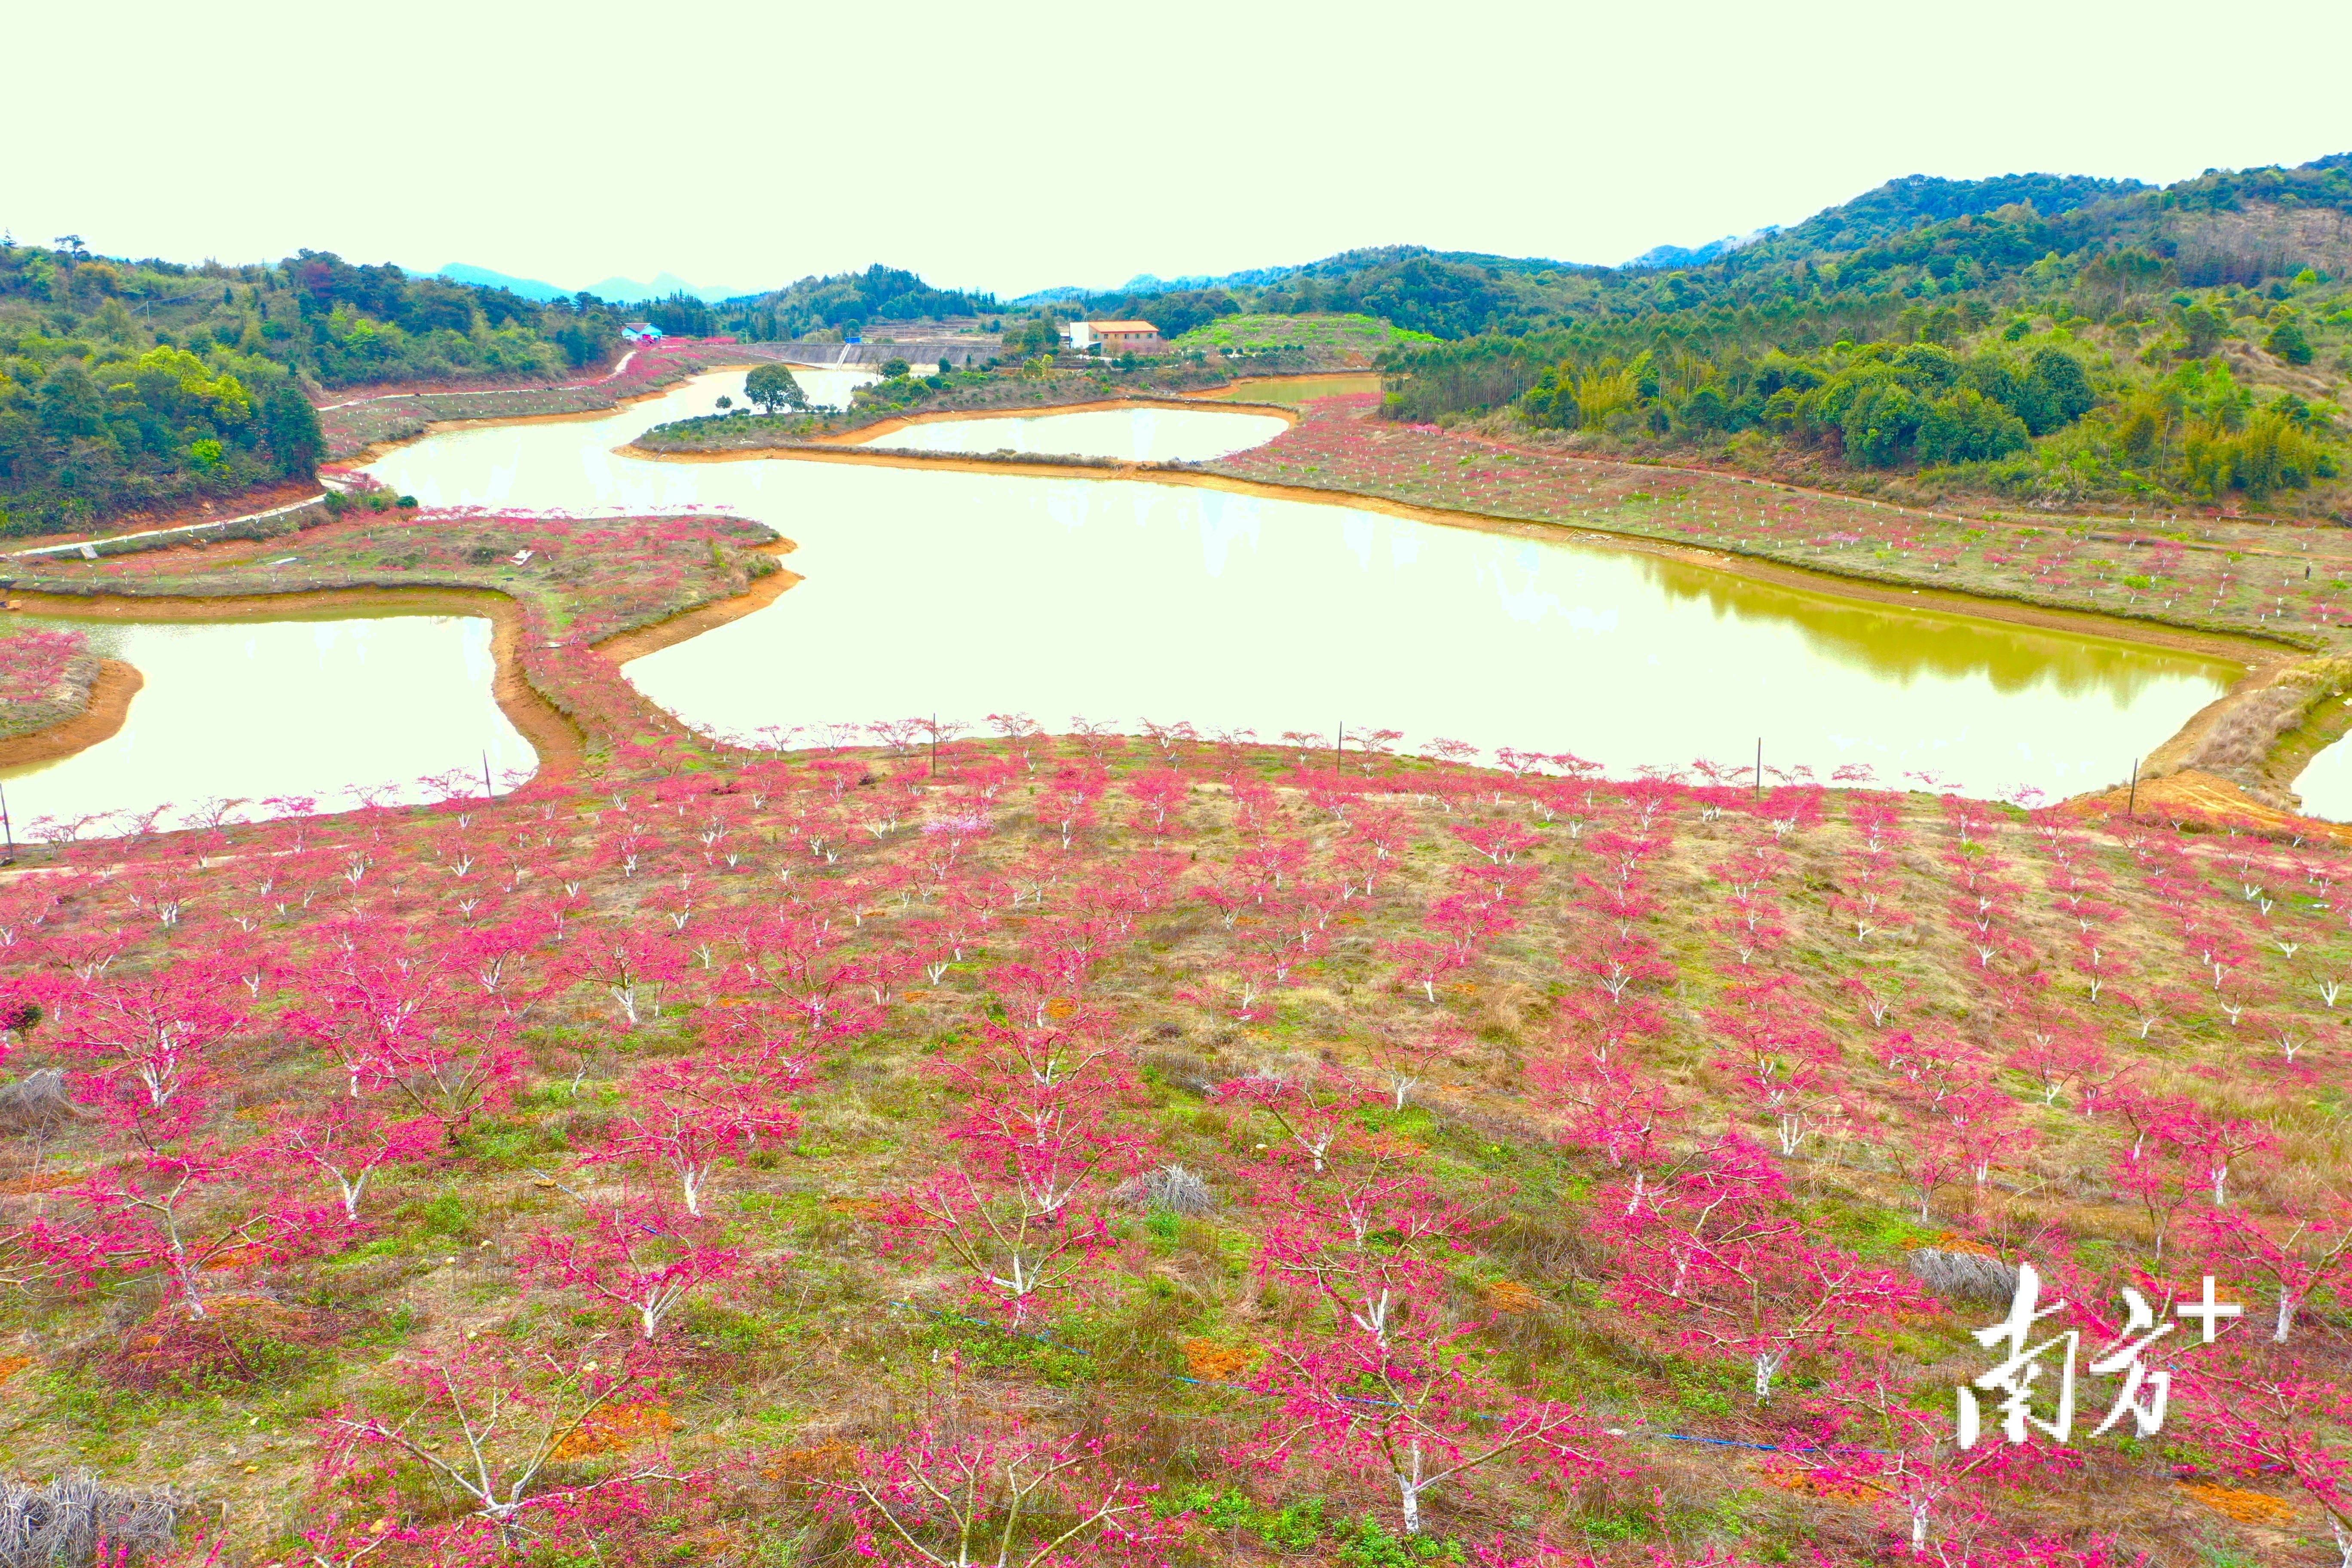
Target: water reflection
{"points": [[968, 594], [286, 707], [1902, 646]]}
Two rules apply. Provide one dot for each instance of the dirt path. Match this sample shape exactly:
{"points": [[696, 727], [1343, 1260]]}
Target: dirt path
{"points": [[74, 546], [616, 373]]}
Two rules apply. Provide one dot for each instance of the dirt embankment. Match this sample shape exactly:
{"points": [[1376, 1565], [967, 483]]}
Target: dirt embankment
{"points": [[100, 718], [2264, 732], [558, 740], [639, 641], [2246, 742]]}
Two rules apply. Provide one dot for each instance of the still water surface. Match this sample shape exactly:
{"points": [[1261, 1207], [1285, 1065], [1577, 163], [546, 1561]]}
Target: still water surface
{"points": [[283, 708], [971, 594], [2326, 783], [1129, 435]]}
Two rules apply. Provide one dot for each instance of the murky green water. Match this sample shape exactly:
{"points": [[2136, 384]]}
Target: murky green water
{"points": [[971, 594]]}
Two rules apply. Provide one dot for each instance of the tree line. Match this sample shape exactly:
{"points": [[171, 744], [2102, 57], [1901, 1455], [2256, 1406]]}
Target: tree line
{"points": [[127, 386]]}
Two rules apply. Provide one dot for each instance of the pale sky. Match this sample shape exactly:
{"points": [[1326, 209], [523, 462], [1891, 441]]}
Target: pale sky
{"points": [[1013, 146]]}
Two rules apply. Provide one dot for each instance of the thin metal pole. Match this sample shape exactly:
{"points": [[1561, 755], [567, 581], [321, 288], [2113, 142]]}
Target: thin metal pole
{"points": [[2132, 810], [1759, 767], [490, 790]]}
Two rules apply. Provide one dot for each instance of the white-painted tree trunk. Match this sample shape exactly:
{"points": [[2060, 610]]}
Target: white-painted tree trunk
{"points": [[1408, 1485]]}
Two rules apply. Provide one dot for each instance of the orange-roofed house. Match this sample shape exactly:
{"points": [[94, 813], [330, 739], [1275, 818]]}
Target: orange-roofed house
{"points": [[1126, 337]]}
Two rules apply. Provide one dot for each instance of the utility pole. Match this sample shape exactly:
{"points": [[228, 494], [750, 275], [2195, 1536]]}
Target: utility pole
{"points": [[489, 791], [2132, 808]]}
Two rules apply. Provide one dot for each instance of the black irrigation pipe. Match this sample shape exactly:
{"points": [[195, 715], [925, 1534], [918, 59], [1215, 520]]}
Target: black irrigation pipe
{"points": [[1240, 1388]]}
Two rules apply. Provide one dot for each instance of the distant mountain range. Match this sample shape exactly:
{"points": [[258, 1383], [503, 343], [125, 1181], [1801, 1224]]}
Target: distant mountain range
{"points": [[618, 290], [1145, 283], [1895, 207]]}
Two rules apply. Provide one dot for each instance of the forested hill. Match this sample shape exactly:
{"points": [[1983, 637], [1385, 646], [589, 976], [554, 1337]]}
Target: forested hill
{"points": [[848, 302], [1914, 341], [128, 385], [1915, 201]]}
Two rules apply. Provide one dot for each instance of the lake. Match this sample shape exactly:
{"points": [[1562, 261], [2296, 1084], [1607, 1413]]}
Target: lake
{"points": [[967, 594]]}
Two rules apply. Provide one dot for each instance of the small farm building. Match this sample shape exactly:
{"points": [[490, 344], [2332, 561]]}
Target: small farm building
{"points": [[1125, 337]]}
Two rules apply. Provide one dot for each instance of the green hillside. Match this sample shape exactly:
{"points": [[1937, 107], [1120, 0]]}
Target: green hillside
{"points": [[130, 385], [2199, 332]]}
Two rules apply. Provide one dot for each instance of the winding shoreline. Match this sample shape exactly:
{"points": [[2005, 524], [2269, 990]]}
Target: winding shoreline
{"points": [[563, 747], [101, 719], [2251, 649], [560, 746], [622, 647], [374, 450], [2263, 660]]}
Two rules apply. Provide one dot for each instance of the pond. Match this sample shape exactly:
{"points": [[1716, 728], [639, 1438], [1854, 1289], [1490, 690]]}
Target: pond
{"points": [[1128, 435], [968, 593], [2326, 783], [284, 708]]}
